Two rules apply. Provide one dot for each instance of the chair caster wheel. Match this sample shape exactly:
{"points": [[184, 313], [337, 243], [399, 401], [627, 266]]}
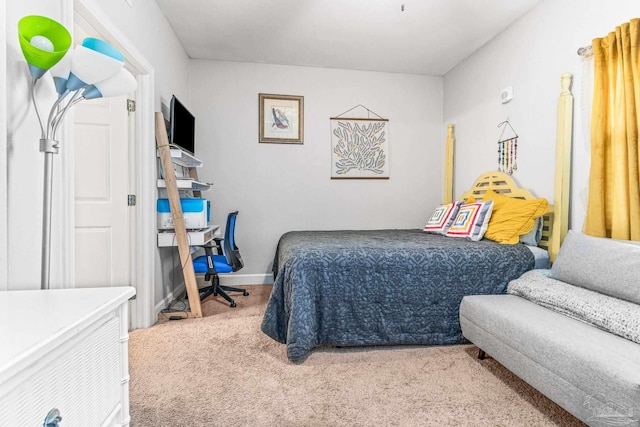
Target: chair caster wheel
{"points": [[233, 304], [245, 293]]}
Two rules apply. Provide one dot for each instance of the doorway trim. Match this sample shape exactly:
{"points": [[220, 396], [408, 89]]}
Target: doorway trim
{"points": [[144, 250]]}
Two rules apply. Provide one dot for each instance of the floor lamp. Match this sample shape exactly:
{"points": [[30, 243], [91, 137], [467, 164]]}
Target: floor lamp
{"points": [[93, 69]]}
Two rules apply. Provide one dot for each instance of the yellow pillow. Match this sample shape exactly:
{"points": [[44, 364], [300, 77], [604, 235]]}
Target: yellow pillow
{"points": [[512, 217]]}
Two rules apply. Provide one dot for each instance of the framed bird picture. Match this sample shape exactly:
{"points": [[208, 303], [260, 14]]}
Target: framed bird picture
{"points": [[281, 118]]}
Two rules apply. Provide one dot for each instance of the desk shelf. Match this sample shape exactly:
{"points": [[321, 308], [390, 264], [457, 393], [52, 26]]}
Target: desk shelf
{"points": [[182, 158], [187, 184], [194, 237]]}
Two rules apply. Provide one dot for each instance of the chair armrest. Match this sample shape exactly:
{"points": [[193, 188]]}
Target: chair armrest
{"points": [[217, 246], [208, 249]]}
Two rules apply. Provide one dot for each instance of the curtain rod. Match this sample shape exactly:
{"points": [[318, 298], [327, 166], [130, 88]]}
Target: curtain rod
{"points": [[585, 51]]}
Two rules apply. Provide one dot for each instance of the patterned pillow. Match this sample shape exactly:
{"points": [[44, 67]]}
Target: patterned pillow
{"points": [[472, 220], [442, 217]]}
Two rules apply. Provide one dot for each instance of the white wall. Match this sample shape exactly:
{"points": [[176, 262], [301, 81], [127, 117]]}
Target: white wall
{"points": [[530, 55], [280, 187]]}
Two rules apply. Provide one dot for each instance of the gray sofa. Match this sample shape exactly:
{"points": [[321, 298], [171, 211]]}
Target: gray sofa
{"points": [[572, 332]]}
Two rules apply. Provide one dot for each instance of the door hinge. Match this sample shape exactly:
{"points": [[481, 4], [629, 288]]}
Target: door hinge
{"points": [[131, 105], [131, 200]]}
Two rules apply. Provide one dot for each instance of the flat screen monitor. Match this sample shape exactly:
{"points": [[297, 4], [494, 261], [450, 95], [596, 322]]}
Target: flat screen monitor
{"points": [[182, 126]]}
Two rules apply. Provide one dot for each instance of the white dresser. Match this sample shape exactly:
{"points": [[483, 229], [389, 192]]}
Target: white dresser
{"points": [[65, 349]]}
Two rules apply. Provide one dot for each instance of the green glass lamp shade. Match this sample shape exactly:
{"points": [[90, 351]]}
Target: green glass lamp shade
{"points": [[43, 42]]}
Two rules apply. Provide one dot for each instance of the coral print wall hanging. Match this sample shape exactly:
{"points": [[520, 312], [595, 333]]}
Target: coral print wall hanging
{"points": [[507, 149], [359, 146]]}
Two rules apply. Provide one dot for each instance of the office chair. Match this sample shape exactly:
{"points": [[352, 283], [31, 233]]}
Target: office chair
{"points": [[227, 260]]}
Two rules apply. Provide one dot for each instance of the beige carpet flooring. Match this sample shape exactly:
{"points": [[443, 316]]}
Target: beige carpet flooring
{"points": [[221, 370]]}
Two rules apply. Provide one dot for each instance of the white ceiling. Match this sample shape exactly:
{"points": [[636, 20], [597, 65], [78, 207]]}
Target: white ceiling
{"points": [[428, 37]]}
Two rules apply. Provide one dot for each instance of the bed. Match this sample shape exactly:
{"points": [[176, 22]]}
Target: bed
{"points": [[387, 287], [380, 287], [392, 287]]}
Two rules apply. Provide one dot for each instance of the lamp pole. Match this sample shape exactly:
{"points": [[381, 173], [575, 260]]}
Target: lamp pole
{"points": [[49, 147]]}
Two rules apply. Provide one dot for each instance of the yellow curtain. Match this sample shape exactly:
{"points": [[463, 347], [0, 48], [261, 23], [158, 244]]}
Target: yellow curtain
{"points": [[613, 208]]}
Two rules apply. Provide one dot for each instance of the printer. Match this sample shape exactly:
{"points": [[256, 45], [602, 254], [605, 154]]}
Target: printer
{"points": [[196, 213]]}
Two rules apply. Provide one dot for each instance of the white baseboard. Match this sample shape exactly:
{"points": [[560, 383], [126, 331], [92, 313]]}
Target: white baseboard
{"points": [[246, 279]]}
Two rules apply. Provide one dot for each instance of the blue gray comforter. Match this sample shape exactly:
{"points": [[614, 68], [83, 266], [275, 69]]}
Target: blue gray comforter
{"points": [[375, 287]]}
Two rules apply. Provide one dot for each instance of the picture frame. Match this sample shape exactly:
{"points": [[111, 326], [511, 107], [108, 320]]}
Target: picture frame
{"points": [[359, 148], [281, 119]]}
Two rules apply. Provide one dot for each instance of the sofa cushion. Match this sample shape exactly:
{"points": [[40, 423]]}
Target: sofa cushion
{"points": [[603, 265]]}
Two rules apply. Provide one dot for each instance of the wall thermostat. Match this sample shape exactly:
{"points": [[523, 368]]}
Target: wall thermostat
{"points": [[507, 94]]}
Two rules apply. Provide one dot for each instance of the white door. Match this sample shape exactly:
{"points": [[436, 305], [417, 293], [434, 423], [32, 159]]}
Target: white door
{"points": [[102, 244]]}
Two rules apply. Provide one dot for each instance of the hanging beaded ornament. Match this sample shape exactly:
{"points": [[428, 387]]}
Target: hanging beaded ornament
{"points": [[507, 150]]}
